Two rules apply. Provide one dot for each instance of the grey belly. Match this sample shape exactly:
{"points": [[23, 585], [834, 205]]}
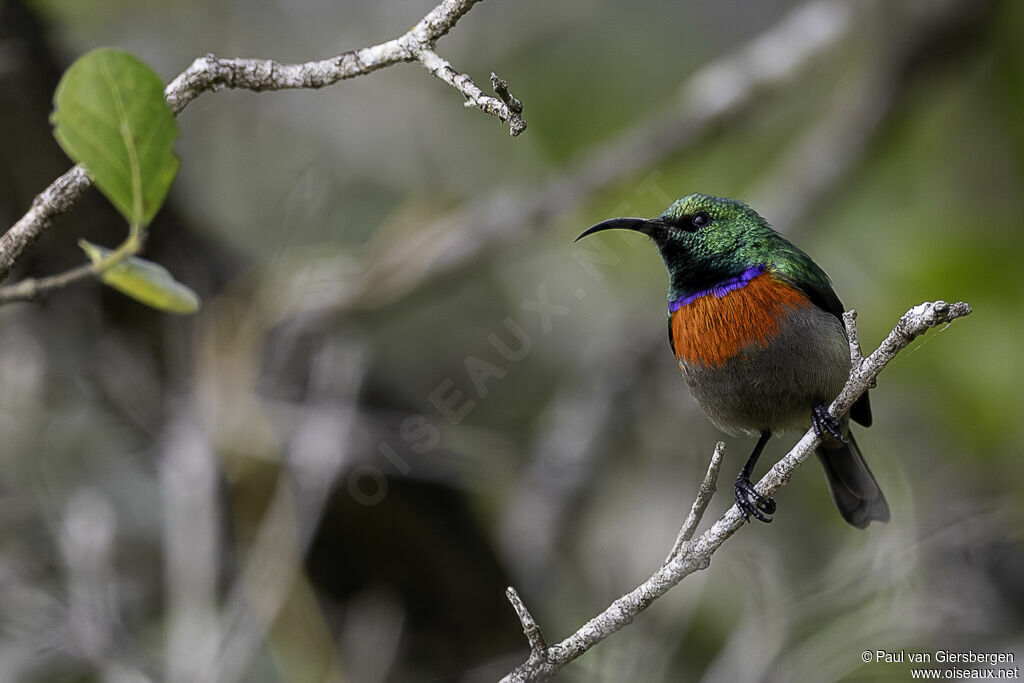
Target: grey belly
{"points": [[775, 388]]}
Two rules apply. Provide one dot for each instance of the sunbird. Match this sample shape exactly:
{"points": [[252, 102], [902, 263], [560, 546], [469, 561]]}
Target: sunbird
{"points": [[758, 333]]}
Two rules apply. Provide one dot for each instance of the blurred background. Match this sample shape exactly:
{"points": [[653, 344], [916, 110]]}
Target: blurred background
{"points": [[408, 388]]}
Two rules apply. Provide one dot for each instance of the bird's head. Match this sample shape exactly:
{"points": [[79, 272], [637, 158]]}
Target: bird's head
{"points": [[703, 239]]}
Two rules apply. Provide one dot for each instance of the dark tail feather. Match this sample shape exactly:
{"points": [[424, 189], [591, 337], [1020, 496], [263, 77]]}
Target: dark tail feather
{"points": [[854, 489]]}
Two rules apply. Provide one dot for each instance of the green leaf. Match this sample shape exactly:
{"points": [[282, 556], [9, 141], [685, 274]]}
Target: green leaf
{"points": [[145, 281], [110, 116]]}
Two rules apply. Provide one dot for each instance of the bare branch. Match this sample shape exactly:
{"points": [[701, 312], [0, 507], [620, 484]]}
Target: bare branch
{"points": [[209, 73], [474, 96], [501, 89], [29, 288], [530, 627], [260, 75], [54, 201], [700, 504], [856, 354], [696, 555]]}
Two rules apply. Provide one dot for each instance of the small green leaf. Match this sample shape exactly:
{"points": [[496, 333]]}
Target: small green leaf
{"points": [[110, 116], [145, 281]]}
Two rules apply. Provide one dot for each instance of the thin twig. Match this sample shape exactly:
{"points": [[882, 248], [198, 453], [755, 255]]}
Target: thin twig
{"points": [[474, 96], [29, 288], [500, 87], [530, 628], [700, 503], [696, 555], [209, 73], [856, 354]]}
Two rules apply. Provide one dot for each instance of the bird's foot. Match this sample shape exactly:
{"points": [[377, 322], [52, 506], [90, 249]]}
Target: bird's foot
{"points": [[824, 424], [751, 503]]}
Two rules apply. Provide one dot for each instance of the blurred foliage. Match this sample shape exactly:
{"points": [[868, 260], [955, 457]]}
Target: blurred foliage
{"points": [[284, 198]]}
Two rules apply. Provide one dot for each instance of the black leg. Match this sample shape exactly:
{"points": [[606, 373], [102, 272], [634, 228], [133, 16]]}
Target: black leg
{"points": [[823, 422], [749, 501]]}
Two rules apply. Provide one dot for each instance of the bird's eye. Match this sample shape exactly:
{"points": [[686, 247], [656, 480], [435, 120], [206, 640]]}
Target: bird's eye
{"points": [[700, 219]]}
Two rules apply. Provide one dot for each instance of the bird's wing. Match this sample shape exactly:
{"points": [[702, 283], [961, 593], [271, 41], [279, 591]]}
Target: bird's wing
{"points": [[819, 290]]}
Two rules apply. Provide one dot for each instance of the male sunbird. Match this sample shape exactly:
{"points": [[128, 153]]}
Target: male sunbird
{"points": [[757, 331]]}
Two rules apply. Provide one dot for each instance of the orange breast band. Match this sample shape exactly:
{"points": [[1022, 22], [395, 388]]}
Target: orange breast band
{"points": [[712, 329]]}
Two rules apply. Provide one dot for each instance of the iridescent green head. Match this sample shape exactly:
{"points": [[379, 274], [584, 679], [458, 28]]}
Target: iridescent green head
{"points": [[705, 240]]}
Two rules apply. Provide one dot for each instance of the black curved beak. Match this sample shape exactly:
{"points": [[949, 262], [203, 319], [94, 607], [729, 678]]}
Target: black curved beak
{"points": [[651, 227]]}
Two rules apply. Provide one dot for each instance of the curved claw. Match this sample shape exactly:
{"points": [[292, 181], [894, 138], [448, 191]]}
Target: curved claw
{"points": [[753, 504], [824, 424]]}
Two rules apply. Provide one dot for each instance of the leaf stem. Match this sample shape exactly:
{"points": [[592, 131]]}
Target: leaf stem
{"points": [[29, 288]]}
